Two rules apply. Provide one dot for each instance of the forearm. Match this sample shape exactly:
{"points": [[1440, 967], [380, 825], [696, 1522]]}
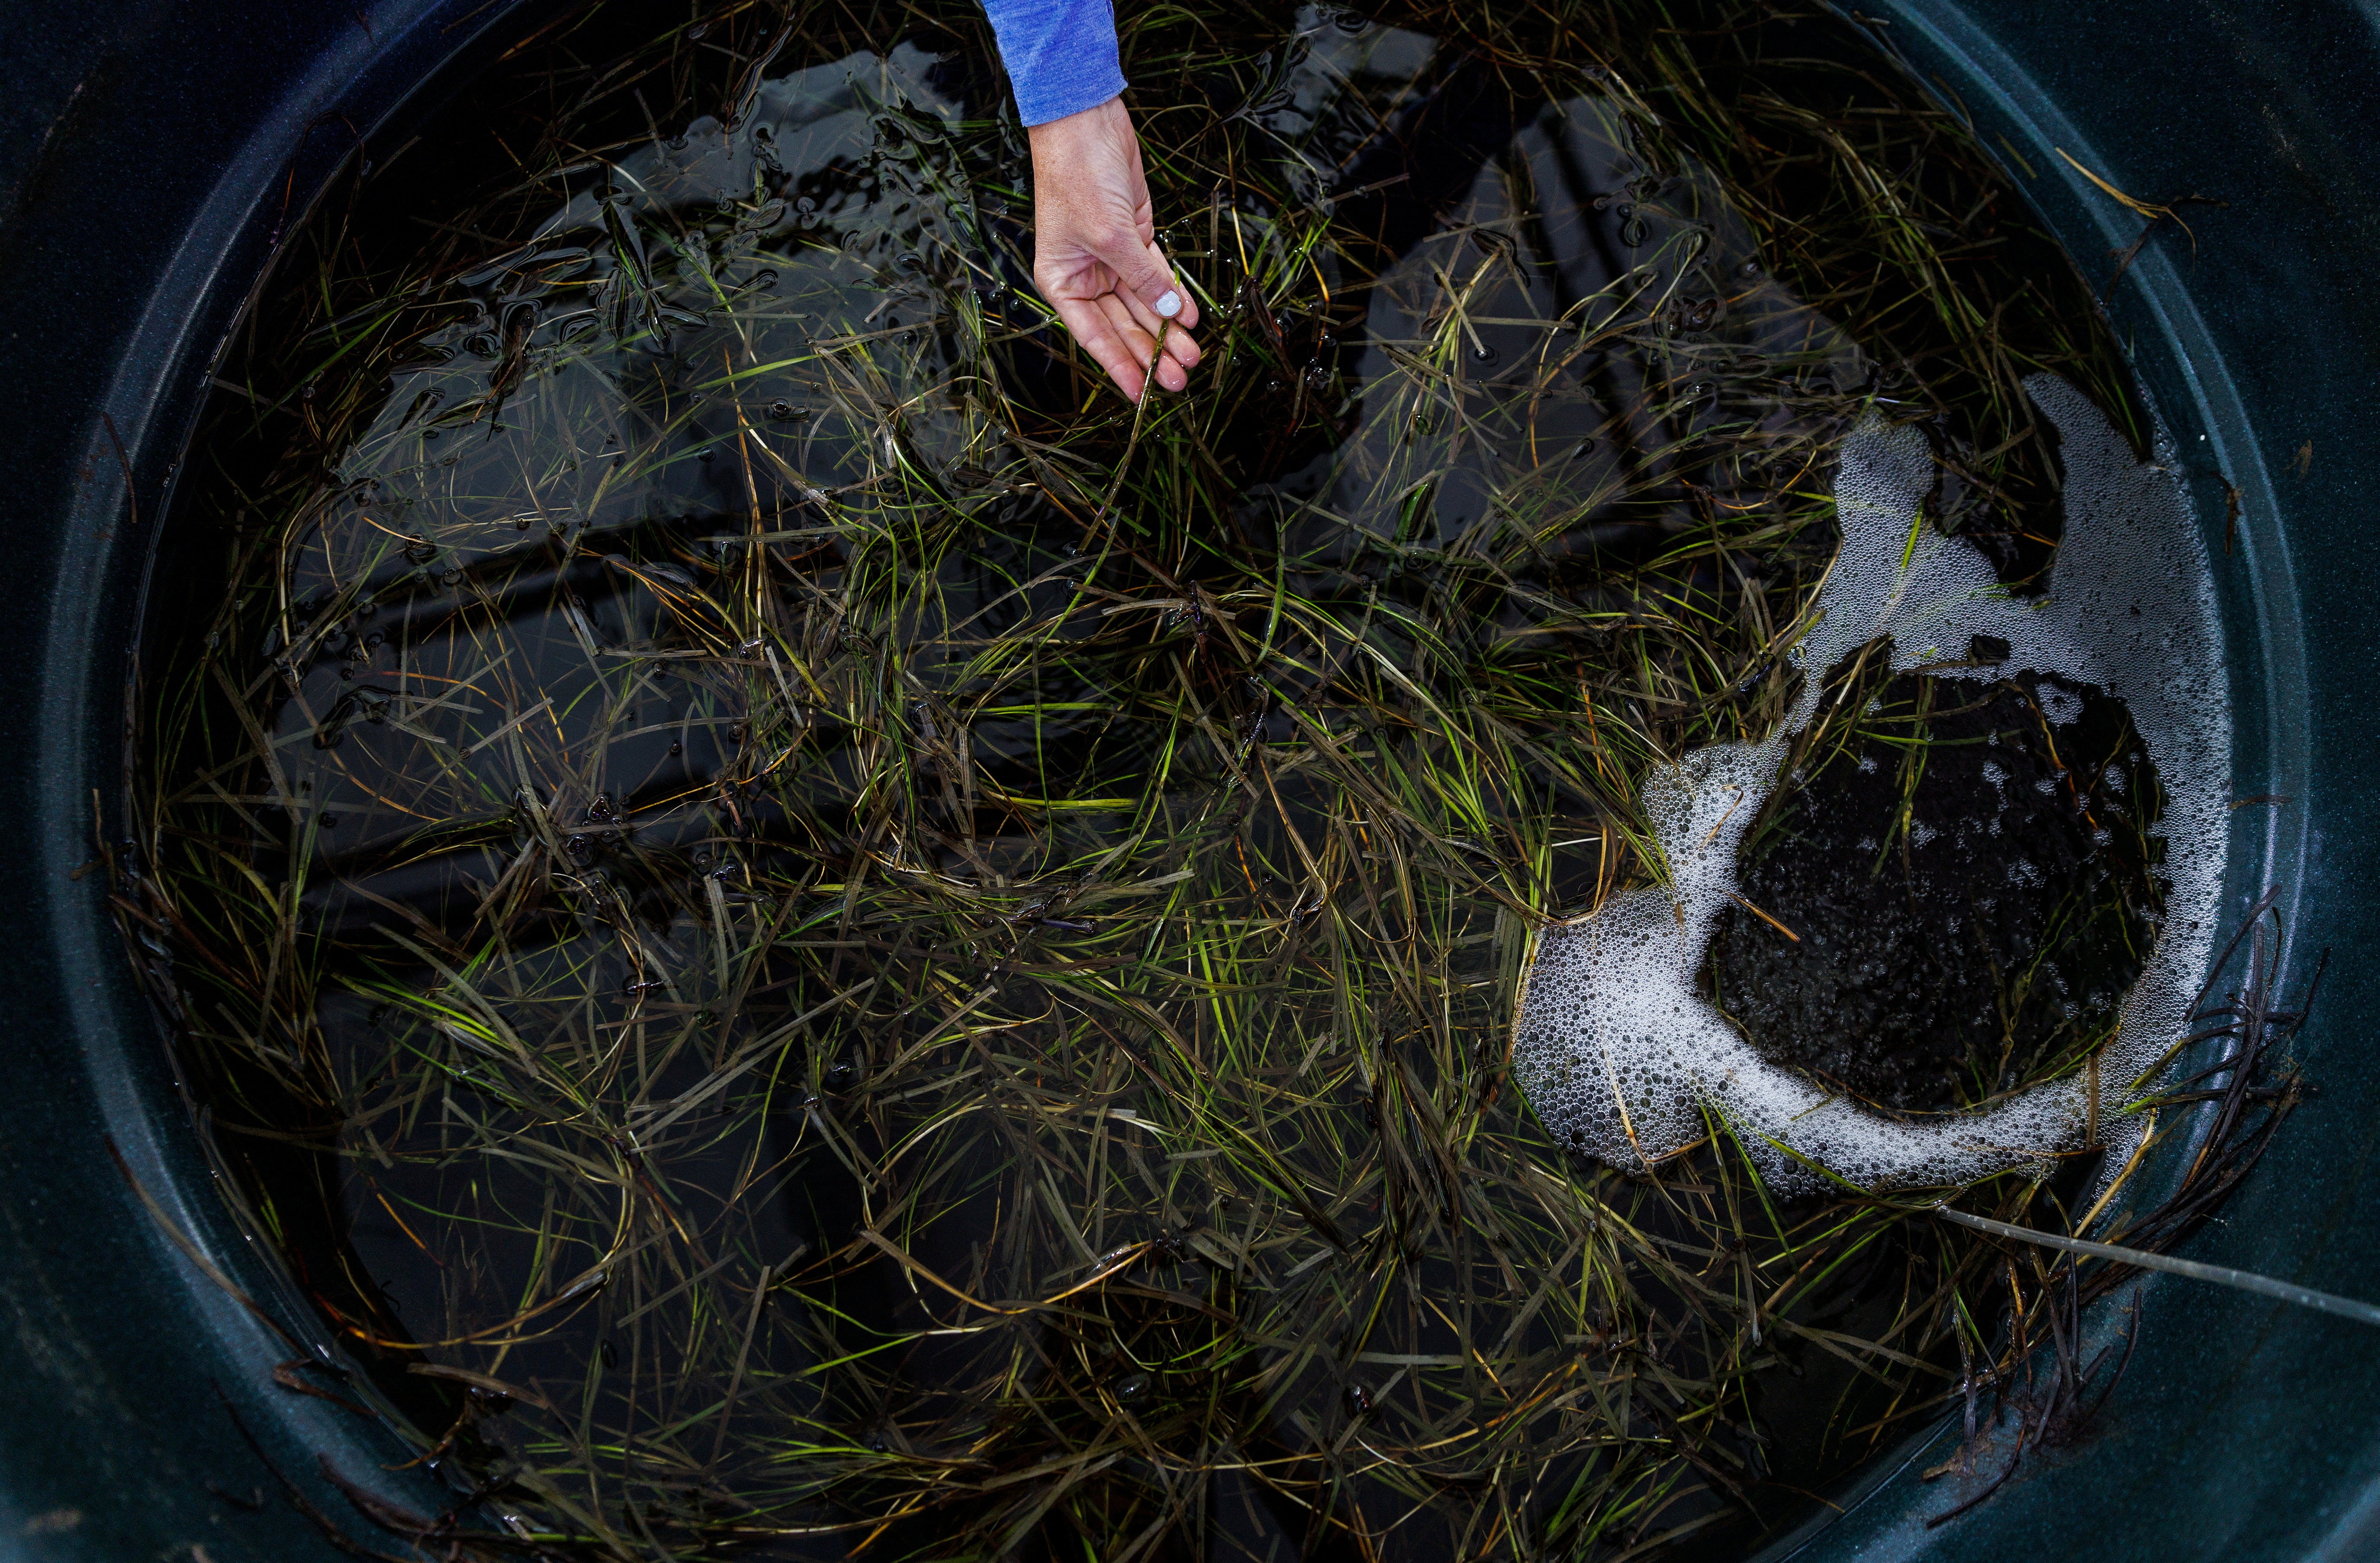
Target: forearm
{"points": [[1061, 55]]}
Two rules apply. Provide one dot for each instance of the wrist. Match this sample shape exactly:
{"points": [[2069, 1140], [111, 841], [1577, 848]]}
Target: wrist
{"points": [[1097, 123]]}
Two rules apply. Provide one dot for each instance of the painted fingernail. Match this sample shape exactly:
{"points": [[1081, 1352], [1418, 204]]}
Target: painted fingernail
{"points": [[1170, 305]]}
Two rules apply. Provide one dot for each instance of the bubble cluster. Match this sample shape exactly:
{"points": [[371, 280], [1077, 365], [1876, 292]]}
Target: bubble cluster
{"points": [[1619, 1054]]}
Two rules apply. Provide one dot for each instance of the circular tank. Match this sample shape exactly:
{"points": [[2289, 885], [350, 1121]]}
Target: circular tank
{"points": [[154, 152]]}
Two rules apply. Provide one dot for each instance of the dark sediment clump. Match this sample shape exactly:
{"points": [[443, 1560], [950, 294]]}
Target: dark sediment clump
{"points": [[1968, 877]]}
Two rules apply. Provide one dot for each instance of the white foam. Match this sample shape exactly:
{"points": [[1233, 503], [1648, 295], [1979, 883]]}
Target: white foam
{"points": [[1618, 1052]]}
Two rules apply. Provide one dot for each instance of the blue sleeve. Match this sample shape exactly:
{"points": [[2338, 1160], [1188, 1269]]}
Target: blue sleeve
{"points": [[1061, 55]]}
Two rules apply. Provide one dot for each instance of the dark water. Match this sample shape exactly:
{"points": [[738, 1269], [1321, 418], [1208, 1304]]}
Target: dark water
{"points": [[565, 1095]]}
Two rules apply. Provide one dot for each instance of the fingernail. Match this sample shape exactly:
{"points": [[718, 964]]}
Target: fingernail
{"points": [[1170, 305]]}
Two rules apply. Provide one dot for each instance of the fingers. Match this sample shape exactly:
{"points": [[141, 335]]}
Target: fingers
{"points": [[1142, 273], [1121, 333], [1141, 331], [1098, 334], [1131, 322], [1135, 325], [1180, 346]]}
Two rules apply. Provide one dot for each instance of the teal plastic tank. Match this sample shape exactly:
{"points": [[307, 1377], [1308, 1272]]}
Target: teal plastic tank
{"points": [[153, 151]]}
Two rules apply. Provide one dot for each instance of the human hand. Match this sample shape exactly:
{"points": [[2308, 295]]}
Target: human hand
{"points": [[1095, 255]]}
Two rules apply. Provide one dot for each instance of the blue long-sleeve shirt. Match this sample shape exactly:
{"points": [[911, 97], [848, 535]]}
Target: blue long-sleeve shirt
{"points": [[1061, 55]]}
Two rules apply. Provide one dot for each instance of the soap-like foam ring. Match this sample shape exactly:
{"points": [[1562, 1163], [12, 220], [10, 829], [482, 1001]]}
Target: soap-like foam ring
{"points": [[1618, 1053]]}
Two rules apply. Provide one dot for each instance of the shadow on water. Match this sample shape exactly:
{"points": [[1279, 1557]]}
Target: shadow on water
{"points": [[803, 958]]}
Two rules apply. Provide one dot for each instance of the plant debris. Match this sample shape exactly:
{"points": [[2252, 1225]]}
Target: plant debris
{"points": [[817, 938]]}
